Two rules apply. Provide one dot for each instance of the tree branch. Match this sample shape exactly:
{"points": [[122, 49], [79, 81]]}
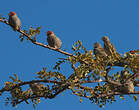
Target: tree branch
{"points": [[38, 43], [118, 93], [27, 82], [121, 64], [63, 88]]}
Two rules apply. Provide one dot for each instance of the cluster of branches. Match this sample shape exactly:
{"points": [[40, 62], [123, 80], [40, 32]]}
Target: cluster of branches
{"points": [[86, 69]]}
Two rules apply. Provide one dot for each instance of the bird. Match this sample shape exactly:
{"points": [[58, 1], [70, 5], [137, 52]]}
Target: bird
{"points": [[109, 48], [134, 53], [53, 40], [127, 83], [14, 21], [127, 87], [36, 88], [99, 50]]}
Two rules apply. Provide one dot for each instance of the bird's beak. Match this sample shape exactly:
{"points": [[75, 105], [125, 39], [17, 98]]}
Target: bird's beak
{"points": [[9, 14]]}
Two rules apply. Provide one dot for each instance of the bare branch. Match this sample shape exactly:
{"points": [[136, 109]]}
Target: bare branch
{"points": [[38, 43]]}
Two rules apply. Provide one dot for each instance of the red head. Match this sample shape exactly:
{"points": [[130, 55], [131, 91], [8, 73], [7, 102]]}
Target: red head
{"points": [[132, 51], [49, 33], [12, 13]]}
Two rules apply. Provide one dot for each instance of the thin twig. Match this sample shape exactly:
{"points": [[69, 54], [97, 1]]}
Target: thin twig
{"points": [[38, 43]]}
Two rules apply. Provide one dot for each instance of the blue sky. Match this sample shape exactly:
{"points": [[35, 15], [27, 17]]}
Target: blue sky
{"points": [[71, 20]]}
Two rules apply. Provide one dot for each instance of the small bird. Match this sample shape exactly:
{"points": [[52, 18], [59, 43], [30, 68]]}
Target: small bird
{"points": [[109, 48], [134, 53], [53, 40], [127, 87], [135, 58], [99, 50], [14, 21], [127, 84], [37, 88]]}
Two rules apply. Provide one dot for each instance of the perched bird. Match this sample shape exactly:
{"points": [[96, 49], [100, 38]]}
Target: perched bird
{"points": [[53, 40], [132, 51], [109, 48], [127, 83], [99, 50], [127, 87], [135, 58], [14, 21], [37, 88]]}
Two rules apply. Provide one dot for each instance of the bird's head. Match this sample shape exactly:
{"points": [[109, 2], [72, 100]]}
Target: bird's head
{"points": [[97, 45], [12, 13], [105, 38], [132, 51], [49, 33]]}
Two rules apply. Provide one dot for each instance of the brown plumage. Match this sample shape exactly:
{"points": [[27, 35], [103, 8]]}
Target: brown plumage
{"points": [[127, 84], [36, 87], [99, 50], [127, 87], [109, 48]]}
